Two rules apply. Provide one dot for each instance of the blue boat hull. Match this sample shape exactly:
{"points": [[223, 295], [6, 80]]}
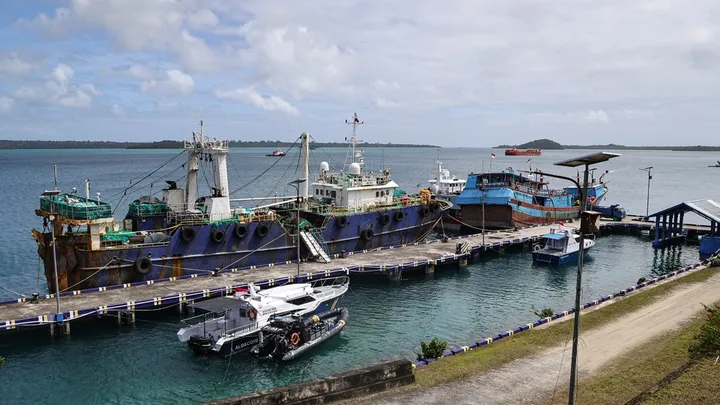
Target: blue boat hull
{"points": [[262, 243], [557, 259]]}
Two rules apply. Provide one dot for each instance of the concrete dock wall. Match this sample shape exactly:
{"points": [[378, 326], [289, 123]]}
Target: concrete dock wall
{"points": [[338, 387]]}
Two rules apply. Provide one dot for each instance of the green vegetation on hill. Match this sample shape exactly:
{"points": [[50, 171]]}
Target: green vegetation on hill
{"points": [[549, 145], [168, 144]]}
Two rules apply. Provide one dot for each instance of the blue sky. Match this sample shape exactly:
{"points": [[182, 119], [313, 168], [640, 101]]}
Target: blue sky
{"points": [[454, 73]]}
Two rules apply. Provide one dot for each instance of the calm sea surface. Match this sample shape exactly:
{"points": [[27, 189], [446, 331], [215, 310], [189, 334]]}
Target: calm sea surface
{"points": [[103, 363]]}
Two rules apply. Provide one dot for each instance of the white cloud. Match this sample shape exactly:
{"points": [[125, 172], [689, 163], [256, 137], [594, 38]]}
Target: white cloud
{"points": [[176, 82], [500, 59], [58, 90], [140, 72], [14, 65], [251, 96], [117, 110], [6, 104]]}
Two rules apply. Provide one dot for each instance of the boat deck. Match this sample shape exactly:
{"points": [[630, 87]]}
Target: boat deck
{"points": [[390, 261]]}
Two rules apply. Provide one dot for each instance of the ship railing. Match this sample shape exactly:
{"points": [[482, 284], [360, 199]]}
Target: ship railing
{"points": [[338, 281], [241, 329]]}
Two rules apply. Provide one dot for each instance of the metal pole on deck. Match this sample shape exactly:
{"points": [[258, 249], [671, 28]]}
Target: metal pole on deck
{"points": [[647, 207], [296, 184], [57, 283]]}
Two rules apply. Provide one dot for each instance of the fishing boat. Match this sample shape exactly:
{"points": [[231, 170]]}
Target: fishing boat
{"points": [[447, 187], [715, 165], [500, 200], [522, 152], [560, 246], [231, 324], [288, 337], [276, 153], [193, 230]]}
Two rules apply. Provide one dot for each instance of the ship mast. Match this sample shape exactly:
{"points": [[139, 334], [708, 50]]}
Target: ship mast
{"points": [[355, 122]]}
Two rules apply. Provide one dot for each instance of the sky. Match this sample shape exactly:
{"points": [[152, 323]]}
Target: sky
{"points": [[469, 73]]}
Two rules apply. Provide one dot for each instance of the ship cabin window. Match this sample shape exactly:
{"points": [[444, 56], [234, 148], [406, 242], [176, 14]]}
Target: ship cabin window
{"points": [[333, 194], [558, 244], [377, 194], [317, 191]]}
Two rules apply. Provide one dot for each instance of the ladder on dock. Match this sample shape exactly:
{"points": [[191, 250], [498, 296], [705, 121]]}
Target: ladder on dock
{"points": [[315, 245]]}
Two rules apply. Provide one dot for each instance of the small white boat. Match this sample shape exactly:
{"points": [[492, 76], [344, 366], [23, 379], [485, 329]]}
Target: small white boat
{"points": [[715, 165], [276, 152], [231, 324], [560, 246]]}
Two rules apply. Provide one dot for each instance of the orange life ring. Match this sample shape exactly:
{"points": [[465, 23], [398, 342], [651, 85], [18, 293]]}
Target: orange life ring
{"points": [[252, 314], [295, 338]]}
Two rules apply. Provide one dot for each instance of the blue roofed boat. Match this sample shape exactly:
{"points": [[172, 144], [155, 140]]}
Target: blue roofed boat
{"points": [[508, 199], [560, 246]]}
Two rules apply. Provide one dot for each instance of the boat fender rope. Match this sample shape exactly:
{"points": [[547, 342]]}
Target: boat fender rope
{"points": [[240, 231], [425, 211], [366, 234], [143, 265], [399, 215], [261, 231], [187, 234], [217, 235], [252, 314], [295, 339], [384, 219], [537, 248], [341, 221]]}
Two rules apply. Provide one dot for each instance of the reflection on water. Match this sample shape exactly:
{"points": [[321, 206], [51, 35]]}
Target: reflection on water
{"points": [[667, 260]]}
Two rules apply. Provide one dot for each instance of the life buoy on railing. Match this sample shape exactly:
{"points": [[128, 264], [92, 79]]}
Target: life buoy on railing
{"points": [[252, 314], [295, 338], [143, 265]]}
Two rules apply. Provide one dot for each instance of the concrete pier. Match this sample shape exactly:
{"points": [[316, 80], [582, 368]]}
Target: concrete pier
{"points": [[392, 262]]}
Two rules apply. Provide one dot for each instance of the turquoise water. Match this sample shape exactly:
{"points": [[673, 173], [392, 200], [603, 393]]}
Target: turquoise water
{"points": [[103, 363]]}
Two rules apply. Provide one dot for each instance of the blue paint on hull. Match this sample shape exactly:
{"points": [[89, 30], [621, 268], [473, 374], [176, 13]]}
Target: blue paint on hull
{"points": [[80, 269], [557, 259]]}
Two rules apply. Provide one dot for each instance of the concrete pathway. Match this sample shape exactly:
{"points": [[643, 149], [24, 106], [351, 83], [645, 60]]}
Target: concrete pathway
{"points": [[532, 380]]}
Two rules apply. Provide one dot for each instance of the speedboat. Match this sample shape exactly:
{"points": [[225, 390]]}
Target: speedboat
{"points": [[287, 337], [231, 324], [560, 246], [276, 152]]}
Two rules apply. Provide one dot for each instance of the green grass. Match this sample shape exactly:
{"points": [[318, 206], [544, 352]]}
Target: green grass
{"points": [[537, 340], [628, 376], [700, 384]]}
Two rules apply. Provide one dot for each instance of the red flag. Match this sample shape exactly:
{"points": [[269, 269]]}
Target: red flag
{"points": [[561, 223], [492, 156]]}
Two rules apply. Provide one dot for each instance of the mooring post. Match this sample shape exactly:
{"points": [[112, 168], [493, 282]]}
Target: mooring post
{"points": [[430, 268], [395, 275], [52, 330], [119, 318], [181, 307], [462, 262]]}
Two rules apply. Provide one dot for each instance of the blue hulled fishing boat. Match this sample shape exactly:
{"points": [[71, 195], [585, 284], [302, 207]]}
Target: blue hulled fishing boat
{"points": [[183, 232], [507, 199]]}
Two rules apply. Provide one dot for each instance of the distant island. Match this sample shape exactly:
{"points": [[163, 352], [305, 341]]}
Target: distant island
{"points": [[11, 144], [548, 144]]}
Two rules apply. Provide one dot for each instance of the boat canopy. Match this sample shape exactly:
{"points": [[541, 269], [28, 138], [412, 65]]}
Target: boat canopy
{"points": [[555, 236], [219, 304]]}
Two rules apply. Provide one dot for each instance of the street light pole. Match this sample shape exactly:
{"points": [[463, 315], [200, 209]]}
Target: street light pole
{"points": [[296, 184], [581, 161], [647, 207], [578, 289]]}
